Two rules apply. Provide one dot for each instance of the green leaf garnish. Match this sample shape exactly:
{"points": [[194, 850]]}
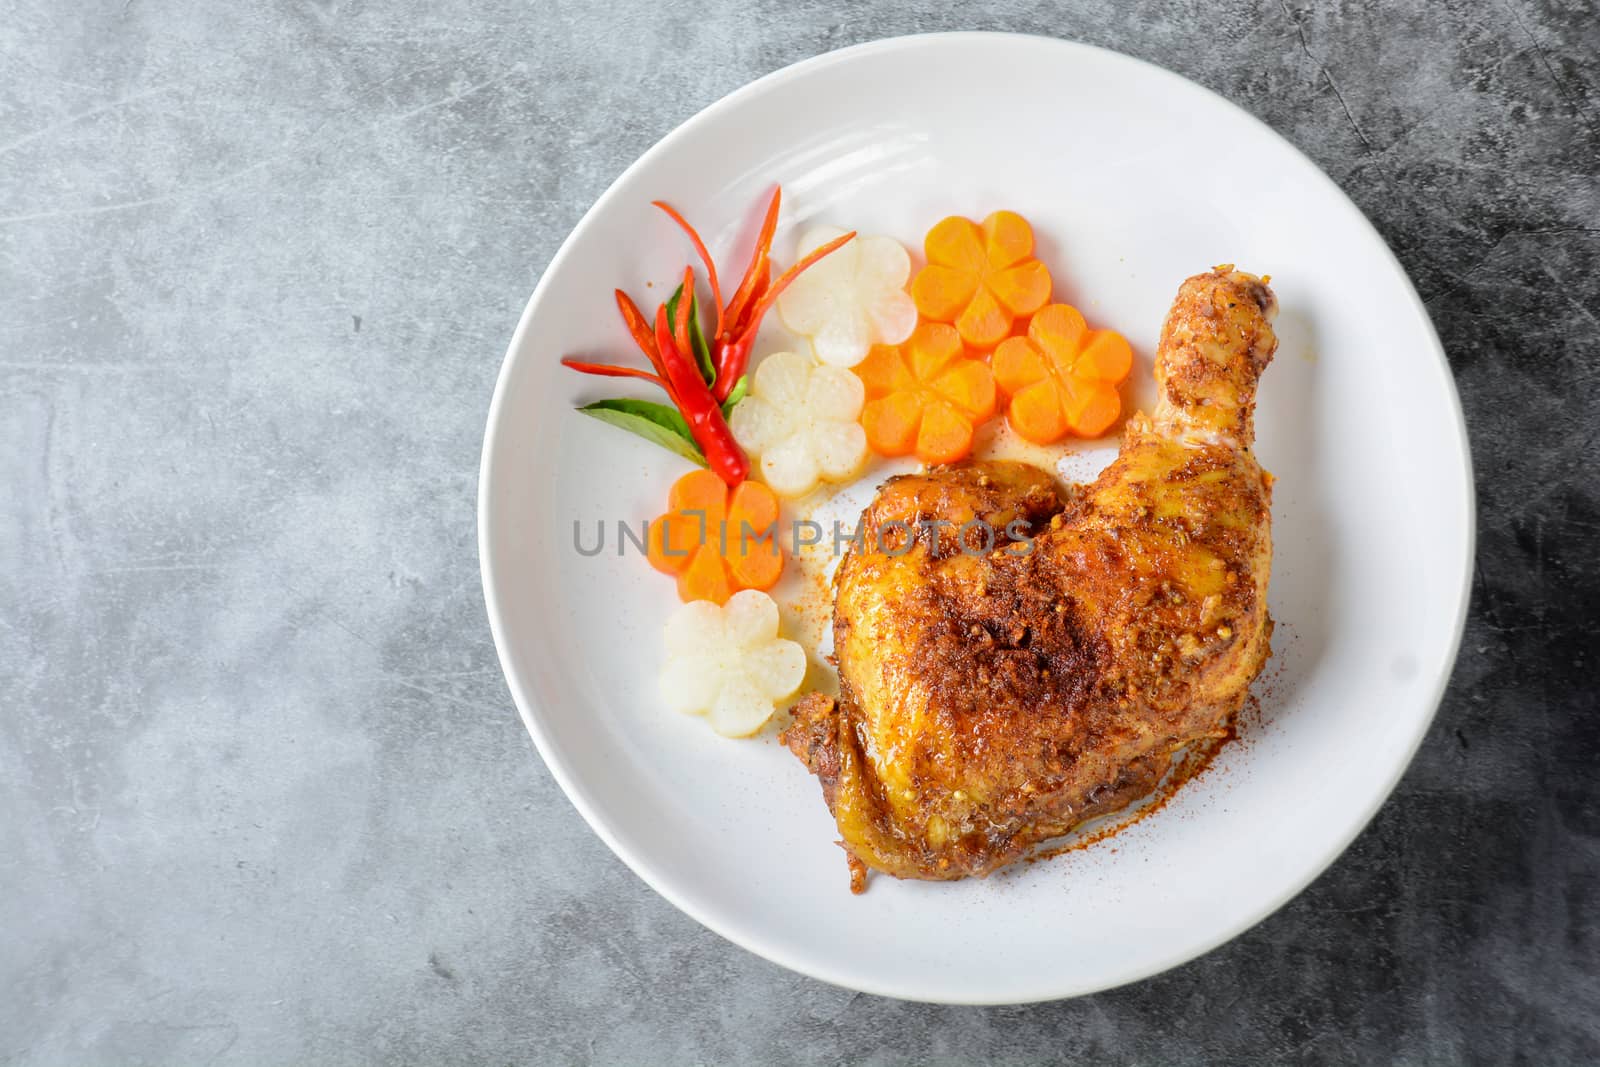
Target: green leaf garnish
{"points": [[736, 394], [656, 423], [697, 337]]}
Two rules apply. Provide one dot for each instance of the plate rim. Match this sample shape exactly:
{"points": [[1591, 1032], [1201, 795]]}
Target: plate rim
{"points": [[842, 976]]}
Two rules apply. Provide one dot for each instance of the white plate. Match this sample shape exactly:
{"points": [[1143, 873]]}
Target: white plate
{"points": [[1134, 179]]}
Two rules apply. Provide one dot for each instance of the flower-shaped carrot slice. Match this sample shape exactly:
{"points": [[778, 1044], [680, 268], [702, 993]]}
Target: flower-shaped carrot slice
{"points": [[981, 278], [716, 540], [1062, 376], [925, 396]]}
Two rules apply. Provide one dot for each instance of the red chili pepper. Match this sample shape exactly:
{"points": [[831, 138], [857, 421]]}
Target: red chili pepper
{"points": [[700, 250], [668, 345], [607, 370], [639, 327], [680, 328], [756, 275], [699, 408], [738, 323], [731, 354]]}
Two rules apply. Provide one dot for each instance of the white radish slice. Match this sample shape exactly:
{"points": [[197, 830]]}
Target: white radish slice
{"points": [[845, 338], [793, 403], [840, 449], [694, 629], [758, 425], [842, 263], [851, 299], [882, 271], [819, 302], [790, 469], [882, 263], [834, 394], [781, 379], [826, 288], [750, 619], [737, 667], [741, 708], [691, 684], [776, 669], [893, 316], [819, 234]]}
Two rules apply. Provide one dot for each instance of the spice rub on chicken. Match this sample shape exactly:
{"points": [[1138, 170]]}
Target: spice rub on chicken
{"points": [[993, 700]]}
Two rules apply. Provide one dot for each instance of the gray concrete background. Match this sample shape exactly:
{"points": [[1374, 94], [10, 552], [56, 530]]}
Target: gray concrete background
{"points": [[263, 794]]}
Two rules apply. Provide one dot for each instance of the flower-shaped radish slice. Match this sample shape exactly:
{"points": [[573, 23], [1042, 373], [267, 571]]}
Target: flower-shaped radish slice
{"points": [[729, 664], [800, 419], [852, 299]]}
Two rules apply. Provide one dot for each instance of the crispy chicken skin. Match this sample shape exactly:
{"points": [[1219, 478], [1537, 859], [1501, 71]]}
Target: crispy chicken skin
{"points": [[991, 701]]}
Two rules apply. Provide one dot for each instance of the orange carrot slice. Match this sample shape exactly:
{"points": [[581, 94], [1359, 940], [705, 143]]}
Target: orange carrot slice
{"points": [[941, 293], [1106, 357], [1007, 239], [891, 422], [945, 434], [674, 539], [1062, 377], [1022, 289], [1035, 413], [926, 396], [984, 323], [931, 352], [753, 555], [700, 490], [884, 371], [706, 578], [957, 243], [982, 279], [715, 540], [969, 385], [1018, 364]]}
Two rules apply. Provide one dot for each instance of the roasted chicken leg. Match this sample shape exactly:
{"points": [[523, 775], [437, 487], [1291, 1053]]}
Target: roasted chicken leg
{"points": [[994, 696]]}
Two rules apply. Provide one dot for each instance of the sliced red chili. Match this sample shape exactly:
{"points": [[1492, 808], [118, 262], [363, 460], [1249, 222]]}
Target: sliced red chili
{"points": [[756, 275], [680, 328], [733, 353], [785, 279], [700, 250], [639, 327], [669, 345], [608, 370], [699, 408]]}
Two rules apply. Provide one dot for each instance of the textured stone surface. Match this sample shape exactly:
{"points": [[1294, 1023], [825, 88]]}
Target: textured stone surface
{"points": [[263, 796]]}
